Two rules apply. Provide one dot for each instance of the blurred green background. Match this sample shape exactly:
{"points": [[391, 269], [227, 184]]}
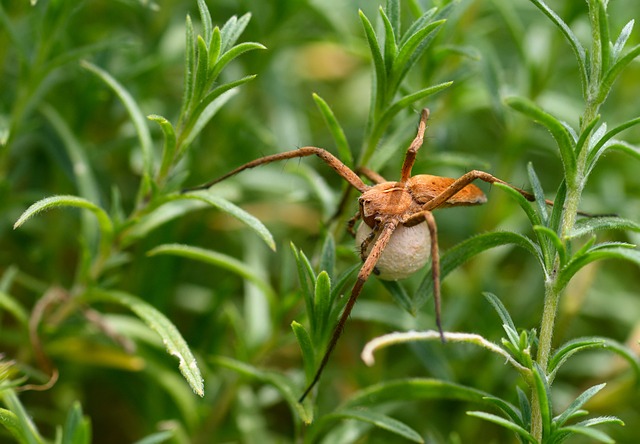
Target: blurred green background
{"points": [[488, 48]]}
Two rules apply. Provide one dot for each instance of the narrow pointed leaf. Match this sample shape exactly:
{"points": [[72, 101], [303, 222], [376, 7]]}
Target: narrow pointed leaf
{"points": [[409, 389], [501, 310], [335, 130], [306, 347], [369, 416], [556, 128], [322, 307], [158, 322], [284, 385], [575, 44], [577, 404], [589, 432], [410, 50], [622, 40], [233, 29], [598, 252], [589, 225], [380, 79], [615, 70], [135, 113], [214, 258], [504, 423], [233, 210], [390, 45], [231, 54], [207, 24], [568, 349], [169, 147], [104, 221]]}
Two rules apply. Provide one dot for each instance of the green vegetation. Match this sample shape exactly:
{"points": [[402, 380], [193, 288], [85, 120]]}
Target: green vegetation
{"points": [[149, 315]]}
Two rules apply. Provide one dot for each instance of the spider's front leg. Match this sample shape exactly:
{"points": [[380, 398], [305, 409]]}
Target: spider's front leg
{"points": [[325, 155], [378, 247]]}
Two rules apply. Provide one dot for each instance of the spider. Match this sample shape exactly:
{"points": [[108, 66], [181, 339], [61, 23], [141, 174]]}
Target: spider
{"points": [[398, 233]]}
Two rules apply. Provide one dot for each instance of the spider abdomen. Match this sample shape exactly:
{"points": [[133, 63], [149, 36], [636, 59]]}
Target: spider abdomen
{"points": [[408, 250]]}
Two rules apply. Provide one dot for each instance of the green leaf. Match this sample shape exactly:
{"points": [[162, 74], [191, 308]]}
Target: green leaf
{"points": [[104, 221], [603, 34], [602, 143], [412, 389], [538, 192], [379, 420], [231, 54], [559, 246], [321, 307], [591, 433], [577, 404], [577, 48], [600, 251], [170, 145], [12, 306], [590, 225], [504, 423], [231, 209], [17, 420], [218, 259], [559, 132], [462, 252], [410, 50], [622, 40], [525, 408], [284, 385], [502, 312], [390, 45], [400, 296], [600, 420], [201, 78], [615, 70], [137, 117], [207, 108], [568, 349], [392, 11], [215, 48], [207, 24], [158, 322], [508, 409], [385, 119], [380, 78], [344, 151], [233, 29], [541, 386], [328, 255], [307, 281], [157, 438], [77, 429], [306, 347], [10, 422], [189, 68]]}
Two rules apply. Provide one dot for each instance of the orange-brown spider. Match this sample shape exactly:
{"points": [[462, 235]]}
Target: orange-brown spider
{"points": [[389, 206]]}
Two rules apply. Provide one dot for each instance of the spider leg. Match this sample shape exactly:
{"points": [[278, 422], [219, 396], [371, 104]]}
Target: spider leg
{"points": [[412, 151], [363, 275], [325, 155], [352, 223]]}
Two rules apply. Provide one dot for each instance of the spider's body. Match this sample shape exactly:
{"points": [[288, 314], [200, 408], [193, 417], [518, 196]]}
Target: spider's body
{"points": [[398, 233], [408, 249]]}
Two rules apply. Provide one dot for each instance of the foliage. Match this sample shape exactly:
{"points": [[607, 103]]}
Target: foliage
{"points": [[96, 307]]}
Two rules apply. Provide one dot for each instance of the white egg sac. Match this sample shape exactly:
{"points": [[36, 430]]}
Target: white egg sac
{"points": [[408, 250]]}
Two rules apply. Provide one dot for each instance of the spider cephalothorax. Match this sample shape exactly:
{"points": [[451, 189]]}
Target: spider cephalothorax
{"points": [[398, 233]]}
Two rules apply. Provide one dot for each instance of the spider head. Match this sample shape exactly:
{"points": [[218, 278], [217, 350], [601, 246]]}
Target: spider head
{"points": [[384, 201]]}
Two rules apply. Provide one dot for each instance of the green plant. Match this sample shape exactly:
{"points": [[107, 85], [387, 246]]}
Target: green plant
{"points": [[254, 321]]}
